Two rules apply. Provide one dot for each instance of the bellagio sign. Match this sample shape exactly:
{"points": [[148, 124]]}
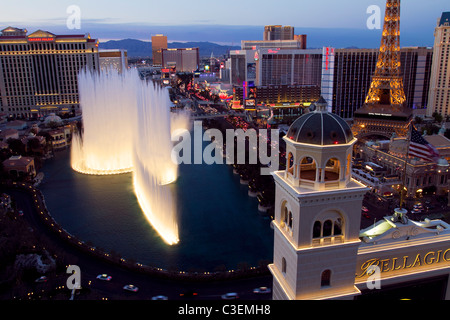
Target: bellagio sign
{"points": [[402, 264]]}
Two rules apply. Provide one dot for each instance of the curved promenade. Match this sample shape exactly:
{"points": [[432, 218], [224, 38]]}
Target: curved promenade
{"points": [[45, 216]]}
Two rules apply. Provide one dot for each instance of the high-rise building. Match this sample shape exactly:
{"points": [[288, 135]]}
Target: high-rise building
{"points": [[183, 60], [439, 96], [115, 59], [352, 70], [278, 32], [298, 43], [159, 42], [39, 72], [266, 67]]}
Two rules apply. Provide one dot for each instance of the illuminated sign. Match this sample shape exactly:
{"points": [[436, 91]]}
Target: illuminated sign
{"points": [[381, 114], [405, 262], [41, 39], [250, 103]]}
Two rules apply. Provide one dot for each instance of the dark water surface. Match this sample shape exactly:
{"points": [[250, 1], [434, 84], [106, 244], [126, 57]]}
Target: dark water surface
{"points": [[219, 224]]}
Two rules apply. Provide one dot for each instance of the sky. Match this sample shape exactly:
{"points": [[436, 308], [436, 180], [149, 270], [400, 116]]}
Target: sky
{"points": [[340, 23]]}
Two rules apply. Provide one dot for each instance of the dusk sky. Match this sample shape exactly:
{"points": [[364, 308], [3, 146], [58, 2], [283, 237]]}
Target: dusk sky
{"points": [[326, 22]]}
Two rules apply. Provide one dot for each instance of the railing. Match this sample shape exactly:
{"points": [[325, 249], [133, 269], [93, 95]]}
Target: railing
{"points": [[327, 240]]}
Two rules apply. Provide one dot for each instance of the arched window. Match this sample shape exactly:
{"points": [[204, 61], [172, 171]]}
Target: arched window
{"points": [[349, 164], [332, 170], [283, 265], [290, 220], [326, 278], [308, 169], [337, 228], [327, 228], [290, 163], [317, 230], [284, 215]]}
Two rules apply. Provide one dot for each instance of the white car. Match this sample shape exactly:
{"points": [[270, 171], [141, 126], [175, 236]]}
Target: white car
{"points": [[230, 296], [262, 290], [41, 279], [130, 287], [104, 277], [160, 298]]}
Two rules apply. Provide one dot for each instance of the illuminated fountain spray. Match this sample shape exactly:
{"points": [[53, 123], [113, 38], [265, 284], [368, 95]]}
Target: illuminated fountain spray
{"points": [[108, 104], [127, 128], [154, 169]]}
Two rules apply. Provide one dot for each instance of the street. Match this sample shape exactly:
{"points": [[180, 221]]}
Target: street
{"points": [[149, 286]]}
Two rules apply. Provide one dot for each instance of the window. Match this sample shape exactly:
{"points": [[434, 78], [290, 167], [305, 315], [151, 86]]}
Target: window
{"points": [[327, 228], [326, 278], [290, 163], [283, 265], [317, 230]]}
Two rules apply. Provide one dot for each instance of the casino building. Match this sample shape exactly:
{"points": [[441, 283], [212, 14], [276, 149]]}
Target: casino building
{"points": [[39, 71], [320, 253]]}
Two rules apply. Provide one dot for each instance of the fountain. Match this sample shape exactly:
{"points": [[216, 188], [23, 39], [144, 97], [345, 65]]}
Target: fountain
{"points": [[108, 103], [127, 128], [154, 169]]}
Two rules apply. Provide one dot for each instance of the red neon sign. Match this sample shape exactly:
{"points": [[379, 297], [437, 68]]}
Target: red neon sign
{"points": [[41, 39]]}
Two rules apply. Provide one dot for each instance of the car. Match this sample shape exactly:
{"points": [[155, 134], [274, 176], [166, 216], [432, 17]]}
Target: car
{"points": [[230, 296], [189, 294], [104, 277], [41, 279], [365, 215], [364, 209], [417, 210], [262, 290], [20, 213], [131, 287], [160, 298]]}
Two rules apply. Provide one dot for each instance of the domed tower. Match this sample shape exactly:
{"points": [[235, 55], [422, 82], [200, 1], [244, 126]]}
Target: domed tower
{"points": [[317, 211]]}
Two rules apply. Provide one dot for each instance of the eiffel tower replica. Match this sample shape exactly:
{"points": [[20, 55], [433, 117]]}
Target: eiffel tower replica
{"points": [[384, 111]]}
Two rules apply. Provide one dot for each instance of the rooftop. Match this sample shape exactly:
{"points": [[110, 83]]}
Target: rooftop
{"points": [[320, 127], [399, 227], [445, 19]]}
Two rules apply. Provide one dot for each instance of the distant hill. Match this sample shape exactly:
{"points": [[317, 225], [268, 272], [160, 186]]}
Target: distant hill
{"points": [[142, 49]]}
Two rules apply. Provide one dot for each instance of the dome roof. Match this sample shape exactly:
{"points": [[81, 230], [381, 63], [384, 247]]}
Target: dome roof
{"points": [[53, 118], [320, 128], [443, 162]]}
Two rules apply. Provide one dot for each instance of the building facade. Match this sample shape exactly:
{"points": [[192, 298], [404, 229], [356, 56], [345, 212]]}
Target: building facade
{"points": [[298, 43], [39, 71], [184, 60], [386, 169], [320, 252], [267, 67], [115, 59], [159, 42], [278, 32], [439, 96], [347, 89]]}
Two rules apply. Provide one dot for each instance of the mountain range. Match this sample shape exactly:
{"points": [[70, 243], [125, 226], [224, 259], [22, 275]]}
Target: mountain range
{"points": [[143, 49]]}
